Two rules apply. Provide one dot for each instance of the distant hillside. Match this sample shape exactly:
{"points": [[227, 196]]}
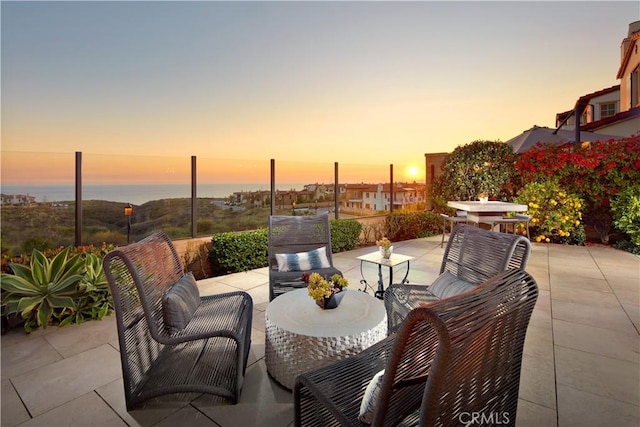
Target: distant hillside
{"points": [[45, 225]]}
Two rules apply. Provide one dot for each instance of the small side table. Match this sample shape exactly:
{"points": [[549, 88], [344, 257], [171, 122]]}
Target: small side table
{"points": [[376, 258]]}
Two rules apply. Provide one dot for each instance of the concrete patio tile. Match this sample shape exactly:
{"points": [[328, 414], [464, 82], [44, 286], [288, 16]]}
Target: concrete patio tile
{"points": [[245, 280], [537, 381], [600, 375], [602, 341], [31, 353], [44, 388], [539, 342], [578, 282], [256, 352], [584, 296], [562, 270], [588, 314], [533, 415], [633, 311], [13, 411], [74, 339], [258, 320], [187, 416], [581, 409], [213, 287], [540, 274], [263, 403], [544, 301], [87, 410], [147, 414], [17, 335]]}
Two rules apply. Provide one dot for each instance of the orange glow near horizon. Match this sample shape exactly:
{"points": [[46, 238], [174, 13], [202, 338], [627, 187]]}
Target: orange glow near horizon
{"points": [[59, 168]]}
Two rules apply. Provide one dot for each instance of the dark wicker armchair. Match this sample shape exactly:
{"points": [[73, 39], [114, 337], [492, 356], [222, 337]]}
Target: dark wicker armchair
{"points": [[297, 234], [457, 357], [472, 255], [207, 354]]}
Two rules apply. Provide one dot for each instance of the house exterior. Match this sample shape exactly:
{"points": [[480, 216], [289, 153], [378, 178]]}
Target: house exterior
{"points": [[17, 200], [614, 110], [377, 197]]}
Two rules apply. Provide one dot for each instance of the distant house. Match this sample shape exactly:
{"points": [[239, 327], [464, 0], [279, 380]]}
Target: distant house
{"points": [[17, 200], [377, 197], [614, 110]]}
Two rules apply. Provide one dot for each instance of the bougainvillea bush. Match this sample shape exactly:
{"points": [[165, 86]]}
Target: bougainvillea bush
{"points": [[556, 215], [595, 171]]}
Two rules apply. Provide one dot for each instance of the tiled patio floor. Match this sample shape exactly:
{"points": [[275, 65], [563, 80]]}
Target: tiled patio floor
{"points": [[581, 365]]}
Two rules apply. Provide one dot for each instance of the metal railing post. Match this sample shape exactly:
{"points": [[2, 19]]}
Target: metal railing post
{"points": [[78, 224]]}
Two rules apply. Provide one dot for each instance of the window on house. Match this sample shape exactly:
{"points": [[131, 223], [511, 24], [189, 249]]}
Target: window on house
{"points": [[607, 109], [635, 87]]}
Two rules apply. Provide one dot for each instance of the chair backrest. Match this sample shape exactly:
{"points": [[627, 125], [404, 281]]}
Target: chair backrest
{"points": [[460, 355], [474, 254], [138, 275], [291, 234]]}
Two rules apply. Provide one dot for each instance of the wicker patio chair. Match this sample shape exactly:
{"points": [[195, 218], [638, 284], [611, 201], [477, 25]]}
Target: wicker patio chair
{"points": [[291, 235], [457, 357], [472, 255], [206, 354], [512, 221], [451, 221]]}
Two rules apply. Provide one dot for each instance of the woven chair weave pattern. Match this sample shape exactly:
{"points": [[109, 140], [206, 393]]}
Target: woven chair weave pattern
{"points": [[293, 234], [208, 356], [460, 355], [473, 255]]}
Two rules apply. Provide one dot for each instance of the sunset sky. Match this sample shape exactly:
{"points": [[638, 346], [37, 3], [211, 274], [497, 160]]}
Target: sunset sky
{"points": [[352, 82]]}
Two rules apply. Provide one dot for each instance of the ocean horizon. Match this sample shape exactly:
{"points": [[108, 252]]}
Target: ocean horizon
{"points": [[136, 194]]}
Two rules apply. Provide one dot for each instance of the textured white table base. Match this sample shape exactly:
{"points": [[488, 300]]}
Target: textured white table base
{"points": [[300, 336]]}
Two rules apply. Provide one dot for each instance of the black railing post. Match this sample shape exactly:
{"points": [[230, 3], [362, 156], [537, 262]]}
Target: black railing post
{"points": [[78, 227], [391, 187], [273, 186], [194, 199], [336, 191]]}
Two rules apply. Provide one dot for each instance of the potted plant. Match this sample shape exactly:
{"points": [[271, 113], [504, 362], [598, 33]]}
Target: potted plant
{"points": [[483, 197], [386, 248], [326, 293]]}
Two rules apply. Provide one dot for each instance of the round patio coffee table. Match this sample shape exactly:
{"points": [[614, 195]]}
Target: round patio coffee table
{"points": [[300, 336]]}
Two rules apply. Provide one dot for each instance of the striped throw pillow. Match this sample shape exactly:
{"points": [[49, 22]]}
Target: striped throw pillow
{"points": [[303, 261]]}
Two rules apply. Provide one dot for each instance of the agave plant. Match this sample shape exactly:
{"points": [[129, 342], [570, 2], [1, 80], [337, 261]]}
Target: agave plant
{"points": [[94, 301], [37, 290]]}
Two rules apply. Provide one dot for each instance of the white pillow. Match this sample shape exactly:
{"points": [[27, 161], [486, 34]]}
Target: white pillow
{"points": [[370, 398], [303, 261], [448, 285]]}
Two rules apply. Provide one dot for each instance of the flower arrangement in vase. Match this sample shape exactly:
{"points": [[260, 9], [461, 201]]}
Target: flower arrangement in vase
{"points": [[325, 291], [386, 248], [483, 197]]}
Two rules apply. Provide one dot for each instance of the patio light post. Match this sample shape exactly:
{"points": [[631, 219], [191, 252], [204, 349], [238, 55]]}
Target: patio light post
{"points": [[127, 213], [293, 205]]}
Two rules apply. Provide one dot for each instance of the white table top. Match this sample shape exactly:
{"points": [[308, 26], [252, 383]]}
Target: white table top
{"points": [[392, 261], [297, 312], [490, 206]]}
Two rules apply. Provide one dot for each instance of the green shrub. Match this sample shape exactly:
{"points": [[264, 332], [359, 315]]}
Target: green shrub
{"points": [[344, 234], [479, 167], [626, 212], [38, 243], [239, 251], [556, 215], [412, 225]]}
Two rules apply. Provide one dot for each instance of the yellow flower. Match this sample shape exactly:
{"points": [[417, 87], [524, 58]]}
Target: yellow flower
{"points": [[577, 222], [547, 240]]}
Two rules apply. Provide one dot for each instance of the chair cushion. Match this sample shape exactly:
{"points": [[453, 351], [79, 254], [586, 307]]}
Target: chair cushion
{"points": [[448, 285], [303, 261], [370, 398], [180, 302]]}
